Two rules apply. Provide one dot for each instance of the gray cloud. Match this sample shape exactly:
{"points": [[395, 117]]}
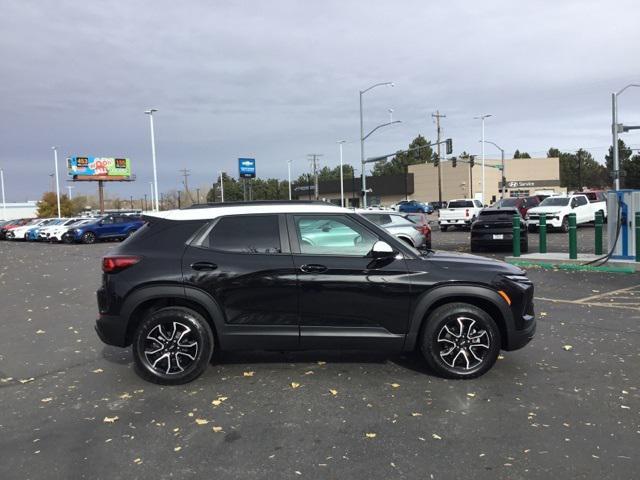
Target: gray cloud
{"points": [[280, 79]]}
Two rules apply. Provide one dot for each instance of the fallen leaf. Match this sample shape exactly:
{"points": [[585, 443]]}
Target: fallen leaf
{"points": [[416, 414], [436, 436], [138, 461], [248, 374], [46, 400], [177, 449], [40, 332], [111, 419], [216, 429], [202, 421], [370, 435], [97, 370], [26, 380], [295, 384], [322, 363], [567, 347], [395, 385], [218, 401], [471, 395], [333, 392], [124, 396]]}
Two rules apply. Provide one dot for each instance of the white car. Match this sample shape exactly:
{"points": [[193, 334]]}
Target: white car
{"points": [[54, 231], [20, 233], [461, 212], [557, 210]]}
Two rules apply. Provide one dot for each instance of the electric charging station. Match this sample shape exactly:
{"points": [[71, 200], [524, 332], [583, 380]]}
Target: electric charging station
{"points": [[622, 206]]}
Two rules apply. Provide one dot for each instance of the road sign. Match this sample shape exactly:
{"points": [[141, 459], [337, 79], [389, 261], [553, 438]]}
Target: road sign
{"points": [[247, 167]]}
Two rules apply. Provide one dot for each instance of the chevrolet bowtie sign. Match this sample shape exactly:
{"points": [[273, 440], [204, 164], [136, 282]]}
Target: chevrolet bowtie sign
{"points": [[247, 167]]}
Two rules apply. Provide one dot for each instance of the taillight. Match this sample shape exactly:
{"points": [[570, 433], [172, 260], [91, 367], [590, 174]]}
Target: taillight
{"points": [[118, 263], [466, 212]]}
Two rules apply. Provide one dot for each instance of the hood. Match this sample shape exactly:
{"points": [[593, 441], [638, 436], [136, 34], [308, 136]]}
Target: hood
{"points": [[551, 208], [458, 261]]}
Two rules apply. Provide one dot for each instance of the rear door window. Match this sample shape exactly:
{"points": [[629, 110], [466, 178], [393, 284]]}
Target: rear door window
{"points": [[245, 234]]}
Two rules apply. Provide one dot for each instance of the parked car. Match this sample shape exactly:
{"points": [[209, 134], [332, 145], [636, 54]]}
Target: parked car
{"points": [[112, 227], [53, 232], [421, 220], [21, 232], [401, 227], [459, 213], [523, 204], [598, 201], [10, 225], [242, 277], [33, 234], [413, 206], [494, 229], [557, 210]]}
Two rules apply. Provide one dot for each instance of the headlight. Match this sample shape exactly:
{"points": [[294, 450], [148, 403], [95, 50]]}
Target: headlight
{"points": [[518, 279]]}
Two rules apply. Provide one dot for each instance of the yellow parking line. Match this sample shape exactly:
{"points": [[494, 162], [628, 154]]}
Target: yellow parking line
{"points": [[589, 304], [605, 294]]}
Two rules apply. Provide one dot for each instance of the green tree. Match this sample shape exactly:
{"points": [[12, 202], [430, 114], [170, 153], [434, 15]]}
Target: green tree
{"points": [[580, 169], [629, 165], [48, 206], [518, 154], [401, 160], [233, 190]]}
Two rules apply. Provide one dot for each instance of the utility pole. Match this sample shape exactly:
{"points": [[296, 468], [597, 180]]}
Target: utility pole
{"points": [[438, 116], [313, 158], [221, 187], [186, 173], [198, 195]]}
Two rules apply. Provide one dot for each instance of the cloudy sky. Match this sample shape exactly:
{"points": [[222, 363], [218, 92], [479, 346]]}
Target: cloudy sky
{"points": [[278, 80]]}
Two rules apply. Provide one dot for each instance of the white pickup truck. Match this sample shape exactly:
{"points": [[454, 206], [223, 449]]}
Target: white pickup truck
{"points": [[557, 210], [462, 213]]}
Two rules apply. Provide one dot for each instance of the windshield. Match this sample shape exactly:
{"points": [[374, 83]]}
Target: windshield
{"points": [[460, 204], [555, 202], [507, 202]]}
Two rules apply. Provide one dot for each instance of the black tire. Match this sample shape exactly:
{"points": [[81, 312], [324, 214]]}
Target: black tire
{"points": [[564, 228], [532, 228], [89, 237], [443, 228], [164, 326], [465, 359], [68, 239]]}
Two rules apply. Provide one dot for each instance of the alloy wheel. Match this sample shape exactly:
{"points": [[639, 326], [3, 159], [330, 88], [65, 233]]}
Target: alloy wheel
{"points": [[463, 346], [171, 348]]}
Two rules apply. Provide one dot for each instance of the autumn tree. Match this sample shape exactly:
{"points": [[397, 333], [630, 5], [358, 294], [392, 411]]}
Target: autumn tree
{"points": [[402, 160]]}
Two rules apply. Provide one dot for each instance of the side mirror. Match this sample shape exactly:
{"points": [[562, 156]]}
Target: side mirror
{"points": [[382, 249]]}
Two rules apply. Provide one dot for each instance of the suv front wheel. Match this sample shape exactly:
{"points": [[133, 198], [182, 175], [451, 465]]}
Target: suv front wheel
{"points": [[460, 340], [172, 346]]}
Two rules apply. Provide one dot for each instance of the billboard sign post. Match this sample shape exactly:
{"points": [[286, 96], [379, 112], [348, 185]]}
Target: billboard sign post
{"points": [[247, 167]]}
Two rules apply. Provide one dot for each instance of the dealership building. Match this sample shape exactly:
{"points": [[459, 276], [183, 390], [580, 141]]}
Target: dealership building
{"points": [[524, 176]]}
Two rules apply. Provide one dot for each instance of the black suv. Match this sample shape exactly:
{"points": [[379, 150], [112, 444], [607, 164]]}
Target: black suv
{"points": [[293, 276]]}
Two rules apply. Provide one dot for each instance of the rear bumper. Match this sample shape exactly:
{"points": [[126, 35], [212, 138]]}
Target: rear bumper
{"points": [[112, 330], [453, 222]]}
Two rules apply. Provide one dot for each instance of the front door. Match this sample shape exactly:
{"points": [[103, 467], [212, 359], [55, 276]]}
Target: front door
{"points": [[346, 297], [245, 264]]}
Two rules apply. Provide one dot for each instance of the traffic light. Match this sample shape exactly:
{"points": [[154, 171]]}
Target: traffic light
{"points": [[449, 146], [472, 161], [454, 162], [436, 161]]}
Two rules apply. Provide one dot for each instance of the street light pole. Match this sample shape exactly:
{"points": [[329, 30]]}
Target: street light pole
{"points": [[153, 156], [69, 187], [615, 131], [289, 176], [502, 179], [362, 138], [221, 187], [482, 117], [4, 203], [152, 195], [55, 161], [340, 143]]}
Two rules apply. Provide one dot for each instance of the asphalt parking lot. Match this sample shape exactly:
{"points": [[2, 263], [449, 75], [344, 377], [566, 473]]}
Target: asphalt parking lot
{"points": [[565, 406]]}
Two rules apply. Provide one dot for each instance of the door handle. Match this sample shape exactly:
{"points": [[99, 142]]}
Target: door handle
{"points": [[204, 266], [313, 268]]}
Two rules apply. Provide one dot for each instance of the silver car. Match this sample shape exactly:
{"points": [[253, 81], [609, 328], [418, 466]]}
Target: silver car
{"points": [[397, 225]]}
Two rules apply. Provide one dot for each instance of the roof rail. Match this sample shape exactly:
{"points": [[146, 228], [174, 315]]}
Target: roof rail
{"points": [[258, 203]]}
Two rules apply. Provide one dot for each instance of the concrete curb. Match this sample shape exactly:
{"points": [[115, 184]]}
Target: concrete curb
{"points": [[557, 261]]}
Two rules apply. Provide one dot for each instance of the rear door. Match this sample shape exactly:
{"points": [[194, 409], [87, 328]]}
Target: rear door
{"points": [[245, 264], [347, 299], [584, 210]]}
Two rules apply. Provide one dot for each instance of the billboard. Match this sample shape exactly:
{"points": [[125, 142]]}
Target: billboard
{"points": [[247, 167], [99, 168]]}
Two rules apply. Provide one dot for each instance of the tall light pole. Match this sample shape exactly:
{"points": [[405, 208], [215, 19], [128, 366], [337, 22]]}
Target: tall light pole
{"points": [[150, 112], [482, 117], [55, 161], [615, 129], [363, 137], [340, 143], [4, 203], [289, 176], [503, 178], [221, 187], [69, 187], [152, 194]]}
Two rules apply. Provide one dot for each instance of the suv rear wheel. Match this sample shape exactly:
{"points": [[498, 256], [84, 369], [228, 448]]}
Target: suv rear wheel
{"points": [[172, 346], [460, 340]]}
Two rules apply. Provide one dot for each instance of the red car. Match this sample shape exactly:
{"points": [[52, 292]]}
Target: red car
{"points": [[523, 204], [11, 225], [423, 223]]}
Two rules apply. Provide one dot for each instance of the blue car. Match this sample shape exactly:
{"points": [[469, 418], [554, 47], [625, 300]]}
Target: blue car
{"points": [[32, 234], [114, 227], [413, 206]]}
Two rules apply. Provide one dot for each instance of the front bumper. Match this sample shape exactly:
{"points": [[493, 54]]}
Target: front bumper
{"points": [[554, 221], [519, 338]]}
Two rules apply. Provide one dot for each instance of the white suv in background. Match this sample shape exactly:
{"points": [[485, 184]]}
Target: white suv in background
{"points": [[557, 210], [53, 233]]}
